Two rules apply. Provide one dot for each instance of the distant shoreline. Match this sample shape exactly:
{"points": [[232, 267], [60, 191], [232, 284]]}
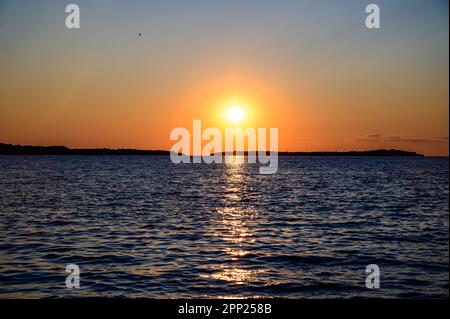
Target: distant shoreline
{"points": [[371, 153], [10, 149]]}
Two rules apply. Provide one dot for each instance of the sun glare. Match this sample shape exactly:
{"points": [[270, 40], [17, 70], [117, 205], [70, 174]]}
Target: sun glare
{"points": [[235, 114]]}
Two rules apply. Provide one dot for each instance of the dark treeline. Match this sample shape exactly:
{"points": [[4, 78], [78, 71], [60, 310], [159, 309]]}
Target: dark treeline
{"points": [[9, 149], [390, 152]]}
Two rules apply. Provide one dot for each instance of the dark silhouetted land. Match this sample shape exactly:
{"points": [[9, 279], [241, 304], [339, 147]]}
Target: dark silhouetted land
{"points": [[390, 152], [9, 149]]}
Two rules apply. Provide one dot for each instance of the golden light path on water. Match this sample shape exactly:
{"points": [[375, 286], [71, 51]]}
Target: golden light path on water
{"points": [[234, 230]]}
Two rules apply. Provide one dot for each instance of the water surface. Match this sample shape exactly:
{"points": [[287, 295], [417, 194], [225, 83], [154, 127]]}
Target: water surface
{"points": [[140, 226]]}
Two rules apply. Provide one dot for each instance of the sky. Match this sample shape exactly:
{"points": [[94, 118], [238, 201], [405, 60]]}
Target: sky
{"points": [[309, 68]]}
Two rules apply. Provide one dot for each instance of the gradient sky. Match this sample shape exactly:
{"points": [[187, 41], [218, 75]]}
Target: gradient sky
{"points": [[310, 68]]}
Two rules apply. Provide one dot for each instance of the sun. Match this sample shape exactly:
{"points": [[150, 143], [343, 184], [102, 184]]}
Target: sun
{"points": [[235, 114]]}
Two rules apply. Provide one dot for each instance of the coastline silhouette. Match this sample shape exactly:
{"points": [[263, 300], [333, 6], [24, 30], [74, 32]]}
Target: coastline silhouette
{"points": [[10, 149]]}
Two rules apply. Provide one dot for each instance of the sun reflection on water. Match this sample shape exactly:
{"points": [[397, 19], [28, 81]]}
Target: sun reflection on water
{"points": [[233, 229], [236, 275]]}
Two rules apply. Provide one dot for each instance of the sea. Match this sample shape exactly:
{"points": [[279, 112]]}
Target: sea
{"points": [[144, 227]]}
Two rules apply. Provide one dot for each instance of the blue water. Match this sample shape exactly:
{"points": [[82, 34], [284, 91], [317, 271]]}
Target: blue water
{"points": [[143, 227]]}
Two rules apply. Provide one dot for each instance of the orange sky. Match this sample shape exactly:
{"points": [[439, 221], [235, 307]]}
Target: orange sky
{"points": [[326, 82]]}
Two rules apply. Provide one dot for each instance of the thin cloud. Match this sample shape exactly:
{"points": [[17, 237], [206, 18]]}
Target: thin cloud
{"points": [[379, 137], [375, 136]]}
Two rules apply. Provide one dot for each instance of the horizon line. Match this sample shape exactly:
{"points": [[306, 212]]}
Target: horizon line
{"points": [[17, 149]]}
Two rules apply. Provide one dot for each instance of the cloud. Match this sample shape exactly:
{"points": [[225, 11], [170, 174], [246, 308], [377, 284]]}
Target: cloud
{"points": [[379, 137], [376, 135]]}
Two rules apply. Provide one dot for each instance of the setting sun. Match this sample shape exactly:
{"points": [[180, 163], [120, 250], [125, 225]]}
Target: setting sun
{"points": [[235, 114]]}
